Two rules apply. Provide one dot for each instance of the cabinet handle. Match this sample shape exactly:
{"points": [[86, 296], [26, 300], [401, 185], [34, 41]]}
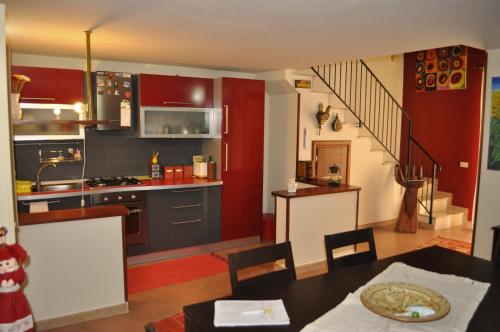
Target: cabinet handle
{"points": [[185, 206], [186, 222], [186, 190], [39, 98], [134, 211], [226, 167], [177, 102], [226, 110]]}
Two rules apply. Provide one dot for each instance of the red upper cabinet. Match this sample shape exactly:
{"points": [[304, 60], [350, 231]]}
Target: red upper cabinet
{"points": [[242, 102], [175, 91], [51, 85]]}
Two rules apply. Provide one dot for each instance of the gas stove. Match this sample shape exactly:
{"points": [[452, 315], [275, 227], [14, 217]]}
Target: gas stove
{"points": [[111, 181]]}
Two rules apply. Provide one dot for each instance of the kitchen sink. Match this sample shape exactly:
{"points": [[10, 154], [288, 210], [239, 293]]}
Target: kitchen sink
{"points": [[58, 187]]}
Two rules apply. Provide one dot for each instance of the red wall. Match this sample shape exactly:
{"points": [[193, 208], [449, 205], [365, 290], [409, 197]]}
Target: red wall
{"points": [[447, 124]]}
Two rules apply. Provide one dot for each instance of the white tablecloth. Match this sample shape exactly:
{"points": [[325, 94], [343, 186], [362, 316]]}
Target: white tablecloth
{"points": [[464, 295]]}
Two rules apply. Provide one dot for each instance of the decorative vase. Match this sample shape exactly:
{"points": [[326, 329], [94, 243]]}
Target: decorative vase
{"points": [[336, 124], [15, 108]]}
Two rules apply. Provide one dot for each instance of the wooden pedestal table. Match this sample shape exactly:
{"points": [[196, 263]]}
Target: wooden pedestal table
{"points": [[407, 220]]}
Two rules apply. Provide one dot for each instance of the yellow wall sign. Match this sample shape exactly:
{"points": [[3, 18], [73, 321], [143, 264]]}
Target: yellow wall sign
{"points": [[302, 84]]}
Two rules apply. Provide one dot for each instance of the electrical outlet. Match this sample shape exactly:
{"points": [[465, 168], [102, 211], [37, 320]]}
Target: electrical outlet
{"points": [[464, 164]]}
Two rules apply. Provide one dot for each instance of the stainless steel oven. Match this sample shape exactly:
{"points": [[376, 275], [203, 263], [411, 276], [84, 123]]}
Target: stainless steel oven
{"points": [[136, 222]]}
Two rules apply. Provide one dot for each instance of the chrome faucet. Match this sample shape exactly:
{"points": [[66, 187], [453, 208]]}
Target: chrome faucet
{"points": [[40, 169]]}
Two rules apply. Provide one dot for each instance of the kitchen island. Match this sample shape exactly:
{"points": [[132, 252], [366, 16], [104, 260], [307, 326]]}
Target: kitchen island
{"points": [[76, 269], [304, 217]]}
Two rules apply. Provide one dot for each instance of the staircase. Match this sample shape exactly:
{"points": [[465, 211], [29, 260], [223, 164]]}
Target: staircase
{"points": [[381, 117], [445, 215]]}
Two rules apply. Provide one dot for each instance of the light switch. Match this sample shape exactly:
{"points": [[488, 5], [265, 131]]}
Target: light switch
{"points": [[464, 164]]}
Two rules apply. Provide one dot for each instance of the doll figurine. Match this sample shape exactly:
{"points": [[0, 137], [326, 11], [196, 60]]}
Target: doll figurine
{"points": [[15, 312]]}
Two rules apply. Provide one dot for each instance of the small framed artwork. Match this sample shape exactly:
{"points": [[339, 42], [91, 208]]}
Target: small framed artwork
{"points": [[302, 84]]}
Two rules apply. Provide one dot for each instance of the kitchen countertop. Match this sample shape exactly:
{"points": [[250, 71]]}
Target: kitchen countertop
{"points": [[322, 188], [154, 184], [71, 214]]}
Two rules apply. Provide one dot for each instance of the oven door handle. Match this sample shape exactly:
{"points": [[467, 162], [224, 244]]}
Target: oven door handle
{"points": [[134, 211]]}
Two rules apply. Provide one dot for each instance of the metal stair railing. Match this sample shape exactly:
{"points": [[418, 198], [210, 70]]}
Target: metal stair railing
{"points": [[375, 109]]}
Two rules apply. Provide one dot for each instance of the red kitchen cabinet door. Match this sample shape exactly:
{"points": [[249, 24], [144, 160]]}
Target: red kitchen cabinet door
{"points": [[51, 85], [175, 91], [242, 157]]}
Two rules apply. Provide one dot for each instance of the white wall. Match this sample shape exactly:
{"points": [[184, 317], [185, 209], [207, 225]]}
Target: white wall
{"points": [[74, 267], [380, 195], [7, 214], [130, 67], [279, 144], [280, 125], [488, 208], [389, 70]]}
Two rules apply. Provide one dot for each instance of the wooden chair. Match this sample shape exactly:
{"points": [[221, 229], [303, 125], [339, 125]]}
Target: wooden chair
{"points": [[335, 241], [150, 327], [253, 257]]}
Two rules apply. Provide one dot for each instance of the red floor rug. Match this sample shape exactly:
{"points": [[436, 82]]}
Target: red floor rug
{"points": [[170, 324], [176, 271], [460, 246]]}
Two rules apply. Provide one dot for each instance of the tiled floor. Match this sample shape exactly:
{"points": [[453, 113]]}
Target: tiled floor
{"points": [[163, 302]]}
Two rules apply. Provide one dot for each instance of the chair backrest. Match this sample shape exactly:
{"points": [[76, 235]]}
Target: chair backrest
{"points": [[335, 241], [253, 257], [150, 328]]}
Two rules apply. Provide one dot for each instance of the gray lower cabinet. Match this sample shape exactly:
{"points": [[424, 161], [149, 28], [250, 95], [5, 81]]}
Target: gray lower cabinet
{"points": [[184, 217]]}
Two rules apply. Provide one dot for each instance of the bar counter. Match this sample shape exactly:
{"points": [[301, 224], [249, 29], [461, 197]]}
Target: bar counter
{"points": [[307, 215]]}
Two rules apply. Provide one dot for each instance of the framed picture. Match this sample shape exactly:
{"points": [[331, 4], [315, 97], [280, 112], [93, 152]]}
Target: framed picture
{"points": [[443, 68], [302, 84], [494, 145]]}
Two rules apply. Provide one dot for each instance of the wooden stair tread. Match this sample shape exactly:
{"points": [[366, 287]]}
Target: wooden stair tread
{"points": [[451, 210]]}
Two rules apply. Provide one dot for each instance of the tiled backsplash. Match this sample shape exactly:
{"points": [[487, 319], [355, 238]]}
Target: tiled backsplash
{"points": [[109, 153]]}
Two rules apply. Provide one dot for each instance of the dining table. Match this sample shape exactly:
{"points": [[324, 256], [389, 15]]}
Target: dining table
{"points": [[307, 299]]}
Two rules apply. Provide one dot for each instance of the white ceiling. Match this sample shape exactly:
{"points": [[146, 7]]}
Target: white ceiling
{"points": [[249, 35]]}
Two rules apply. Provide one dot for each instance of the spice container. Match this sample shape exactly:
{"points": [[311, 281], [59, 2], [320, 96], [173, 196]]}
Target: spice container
{"points": [[211, 169]]}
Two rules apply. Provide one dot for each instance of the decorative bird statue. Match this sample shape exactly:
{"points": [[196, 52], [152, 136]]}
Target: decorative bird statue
{"points": [[322, 116]]}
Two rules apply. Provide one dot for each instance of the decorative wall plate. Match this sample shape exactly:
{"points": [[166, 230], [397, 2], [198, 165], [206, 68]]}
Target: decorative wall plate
{"points": [[400, 301]]}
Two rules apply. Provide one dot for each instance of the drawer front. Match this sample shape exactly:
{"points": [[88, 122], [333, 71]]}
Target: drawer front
{"points": [[55, 203], [178, 203], [190, 196], [171, 234], [183, 217]]}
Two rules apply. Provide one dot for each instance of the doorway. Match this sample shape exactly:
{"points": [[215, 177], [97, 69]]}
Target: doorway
{"points": [[329, 153]]}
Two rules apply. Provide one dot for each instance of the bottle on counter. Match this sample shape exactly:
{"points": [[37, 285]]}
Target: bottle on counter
{"points": [[211, 169]]}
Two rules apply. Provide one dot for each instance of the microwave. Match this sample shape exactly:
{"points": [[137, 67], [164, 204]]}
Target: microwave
{"points": [[36, 122]]}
